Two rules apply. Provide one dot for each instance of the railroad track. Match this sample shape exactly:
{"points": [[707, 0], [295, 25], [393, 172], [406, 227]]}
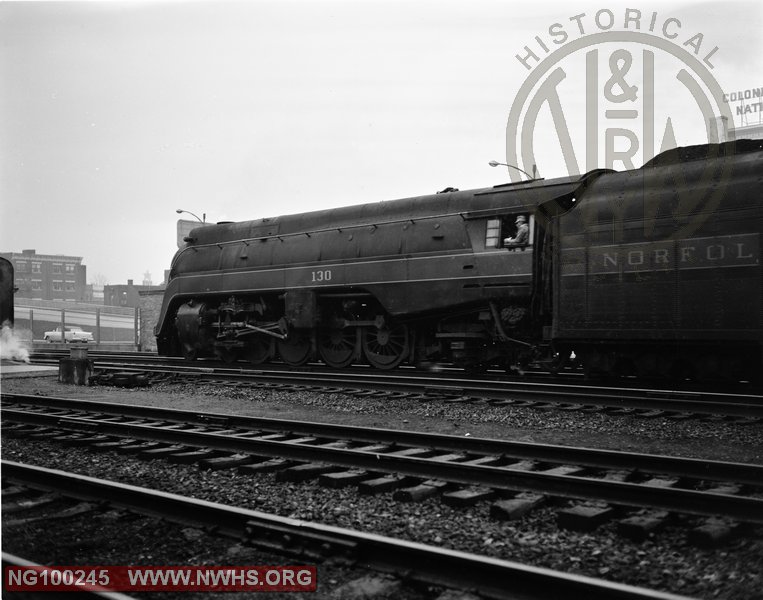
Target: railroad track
{"points": [[595, 485], [532, 373], [489, 577], [453, 385]]}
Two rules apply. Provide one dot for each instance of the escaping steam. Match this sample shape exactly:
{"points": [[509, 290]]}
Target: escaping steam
{"points": [[12, 346]]}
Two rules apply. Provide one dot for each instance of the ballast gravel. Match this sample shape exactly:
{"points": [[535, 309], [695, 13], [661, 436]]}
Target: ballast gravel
{"points": [[713, 440], [665, 561]]}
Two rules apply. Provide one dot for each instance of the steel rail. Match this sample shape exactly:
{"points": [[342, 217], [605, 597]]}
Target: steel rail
{"points": [[490, 577], [704, 503], [148, 360], [686, 401], [745, 473]]}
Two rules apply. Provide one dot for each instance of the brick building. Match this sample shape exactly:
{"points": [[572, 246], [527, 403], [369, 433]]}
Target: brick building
{"points": [[127, 295], [49, 276]]}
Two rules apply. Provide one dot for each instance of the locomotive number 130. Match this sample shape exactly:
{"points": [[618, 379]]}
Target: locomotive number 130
{"points": [[319, 276]]}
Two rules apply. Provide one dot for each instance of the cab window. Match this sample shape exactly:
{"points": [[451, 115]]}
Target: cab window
{"points": [[500, 229], [493, 234]]}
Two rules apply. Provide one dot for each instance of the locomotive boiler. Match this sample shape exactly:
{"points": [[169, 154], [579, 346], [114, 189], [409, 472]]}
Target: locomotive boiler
{"points": [[416, 279]]}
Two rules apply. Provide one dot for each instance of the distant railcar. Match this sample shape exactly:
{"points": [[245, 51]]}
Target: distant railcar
{"points": [[6, 292]]}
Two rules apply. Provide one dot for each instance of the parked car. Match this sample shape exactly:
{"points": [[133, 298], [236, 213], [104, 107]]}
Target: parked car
{"points": [[73, 334]]}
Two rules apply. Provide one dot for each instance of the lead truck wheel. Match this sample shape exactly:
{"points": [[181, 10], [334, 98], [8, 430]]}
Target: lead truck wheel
{"points": [[259, 351], [295, 351]]}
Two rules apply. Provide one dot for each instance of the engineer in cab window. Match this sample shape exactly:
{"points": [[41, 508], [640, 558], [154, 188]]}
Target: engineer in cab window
{"points": [[522, 236]]}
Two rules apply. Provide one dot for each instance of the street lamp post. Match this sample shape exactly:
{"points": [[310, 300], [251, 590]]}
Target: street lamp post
{"points": [[495, 163], [204, 220]]}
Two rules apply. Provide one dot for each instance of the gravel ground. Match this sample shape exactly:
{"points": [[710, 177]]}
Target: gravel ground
{"points": [[665, 561], [98, 539], [689, 437]]}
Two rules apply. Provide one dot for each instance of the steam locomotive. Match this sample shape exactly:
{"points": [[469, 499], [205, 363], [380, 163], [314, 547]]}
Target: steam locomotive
{"points": [[652, 271]]}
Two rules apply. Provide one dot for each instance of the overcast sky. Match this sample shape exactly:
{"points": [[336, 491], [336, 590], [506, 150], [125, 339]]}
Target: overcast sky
{"points": [[114, 114]]}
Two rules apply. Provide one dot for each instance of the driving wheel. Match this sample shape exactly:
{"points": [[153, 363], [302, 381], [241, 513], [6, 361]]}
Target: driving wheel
{"points": [[385, 347], [337, 346]]}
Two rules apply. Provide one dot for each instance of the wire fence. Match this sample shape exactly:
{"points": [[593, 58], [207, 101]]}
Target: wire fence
{"points": [[32, 322]]}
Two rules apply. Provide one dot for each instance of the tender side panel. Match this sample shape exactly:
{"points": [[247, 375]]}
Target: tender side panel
{"points": [[665, 253]]}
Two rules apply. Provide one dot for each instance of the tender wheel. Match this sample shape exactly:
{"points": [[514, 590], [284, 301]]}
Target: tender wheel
{"points": [[386, 347], [258, 351], [295, 350], [559, 361], [337, 346], [476, 368]]}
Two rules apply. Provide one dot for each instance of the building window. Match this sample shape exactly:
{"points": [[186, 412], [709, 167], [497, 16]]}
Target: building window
{"points": [[69, 268], [56, 268], [69, 286], [36, 284], [36, 267], [21, 266], [58, 286]]}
